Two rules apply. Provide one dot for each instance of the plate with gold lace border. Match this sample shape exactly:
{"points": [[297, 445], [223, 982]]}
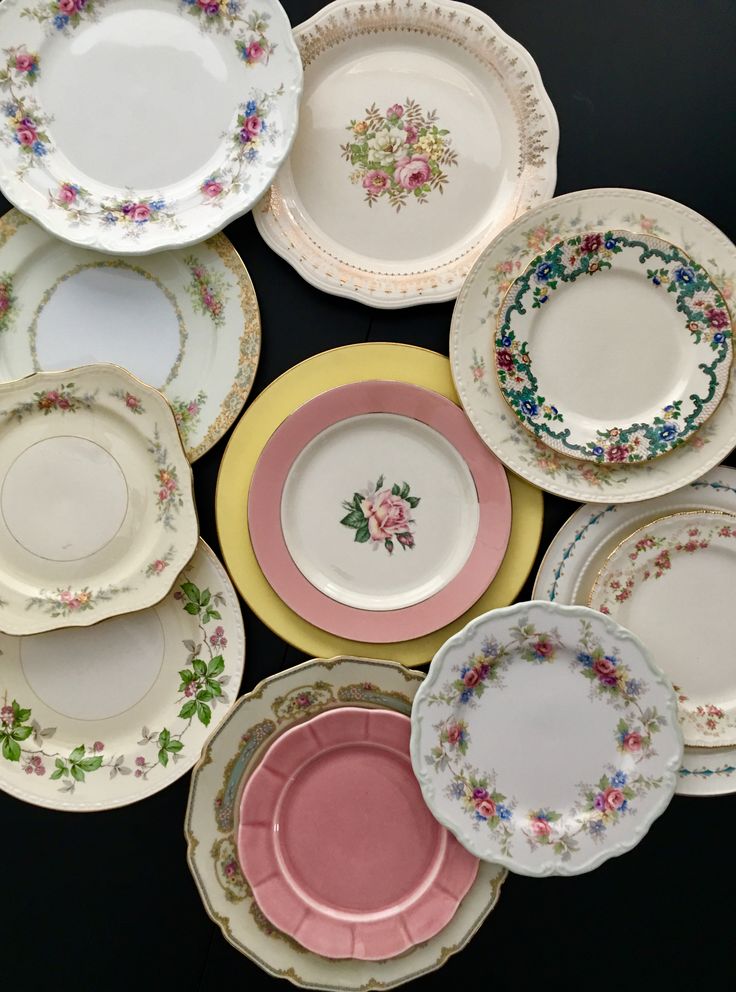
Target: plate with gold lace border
{"points": [[581, 695], [280, 702]]}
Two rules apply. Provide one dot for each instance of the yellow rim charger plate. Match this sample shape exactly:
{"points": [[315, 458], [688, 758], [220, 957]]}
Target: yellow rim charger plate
{"points": [[353, 363]]}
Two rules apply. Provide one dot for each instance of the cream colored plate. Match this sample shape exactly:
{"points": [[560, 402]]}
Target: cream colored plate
{"points": [[278, 703], [424, 130], [97, 513]]}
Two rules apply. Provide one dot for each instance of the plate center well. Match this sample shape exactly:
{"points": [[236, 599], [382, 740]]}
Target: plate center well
{"points": [[172, 100], [611, 348], [64, 498], [109, 312], [98, 672], [379, 511], [353, 830]]}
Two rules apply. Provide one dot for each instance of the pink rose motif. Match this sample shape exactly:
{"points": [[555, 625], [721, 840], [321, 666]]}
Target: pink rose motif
{"points": [[591, 243], [544, 649], [98, 746], [4, 304], [67, 6], [255, 52], [454, 733], [471, 678], [63, 403], [140, 761], [386, 514], [395, 110], [67, 193], [405, 540], [140, 213], [211, 188], [602, 666], [132, 402], [159, 565], [67, 597], [410, 173], [411, 134], [632, 742], [24, 62], [613, 798], [376, 180], [26, 132], [541, 827], [193, 408], [252, 126], [486, 807]]}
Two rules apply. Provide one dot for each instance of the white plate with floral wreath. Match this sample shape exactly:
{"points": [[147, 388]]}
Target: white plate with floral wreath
{"points": [[545, 738], [184, 321], [646, 341], [182, 112], [97, 512], [234, 750], [575, 557], [672, 582], [425, 130], [97, 718], [472, 351]]}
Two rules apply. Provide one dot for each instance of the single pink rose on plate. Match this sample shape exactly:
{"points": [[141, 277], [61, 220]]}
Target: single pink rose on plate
{"points": [[67, 6], [395, 110], [255, 52], [252, 125], [67, 193], [24, 62], [541, 827], [544, 649], [140, 212], [632, 742], [454, 733], [211, 188], [613, 799], [471, 678], [26, 134], [412, 172], [486, 807], [386, 514], [376, 180], [602, 666]]}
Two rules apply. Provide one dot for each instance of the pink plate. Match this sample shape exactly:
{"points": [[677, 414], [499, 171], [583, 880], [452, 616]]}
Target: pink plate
{"points": [[392, 577], [338, 845]]}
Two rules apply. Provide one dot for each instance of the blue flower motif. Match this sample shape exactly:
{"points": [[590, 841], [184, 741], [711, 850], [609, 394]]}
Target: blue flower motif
{"points": [[656, 280], [10, 109], [479, 817], [597, 450], [597, 827], [612, 659], [250, 108], [619, 779], [157, 204], [503, 812], [720, 336], [585, 659], [610, 243], [624, 806], [457, 790], [489, 648], [110, 218], [529, 408], [39, 148], [233, 7], [543, 272], [684, 274], [668, 432], [633, 687], [465, 695], [61, 21], [251, 155], [542, 298], [264, 126], [506, 341]]}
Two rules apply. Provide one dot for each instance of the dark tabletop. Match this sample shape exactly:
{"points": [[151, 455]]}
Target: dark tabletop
{"points": [[645, 92]]}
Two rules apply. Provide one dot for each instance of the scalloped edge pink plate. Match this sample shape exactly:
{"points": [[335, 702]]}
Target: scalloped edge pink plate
{"points": [[338, 846], [271, 473]]}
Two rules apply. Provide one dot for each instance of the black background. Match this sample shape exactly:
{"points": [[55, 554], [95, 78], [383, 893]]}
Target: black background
{"points": [[645, 92]]}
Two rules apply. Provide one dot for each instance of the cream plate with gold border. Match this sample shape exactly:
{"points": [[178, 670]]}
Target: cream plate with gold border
{"points": [[424, 131], [97, 512], [260, 717], [184, 321]]}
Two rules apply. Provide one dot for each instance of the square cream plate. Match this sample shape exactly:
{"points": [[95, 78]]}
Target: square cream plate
{"points": [[97, 512], [135, 125]]}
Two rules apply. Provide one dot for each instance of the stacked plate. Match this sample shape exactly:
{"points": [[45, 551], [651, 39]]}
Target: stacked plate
{"points": [[592, 346], [356, 506]]}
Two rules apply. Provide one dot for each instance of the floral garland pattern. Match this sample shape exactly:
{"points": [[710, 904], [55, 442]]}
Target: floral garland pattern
{"points": [[131, 215], [186, 413], [654, 555], [207, 290], [201, 686], [69, 601], [169, 499], [400, 154], [252, 44], [599, 806], [61, 15], [251, 132], [697, 299], [25, 123], [63, 400], [7, 301], [382, 515]]}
